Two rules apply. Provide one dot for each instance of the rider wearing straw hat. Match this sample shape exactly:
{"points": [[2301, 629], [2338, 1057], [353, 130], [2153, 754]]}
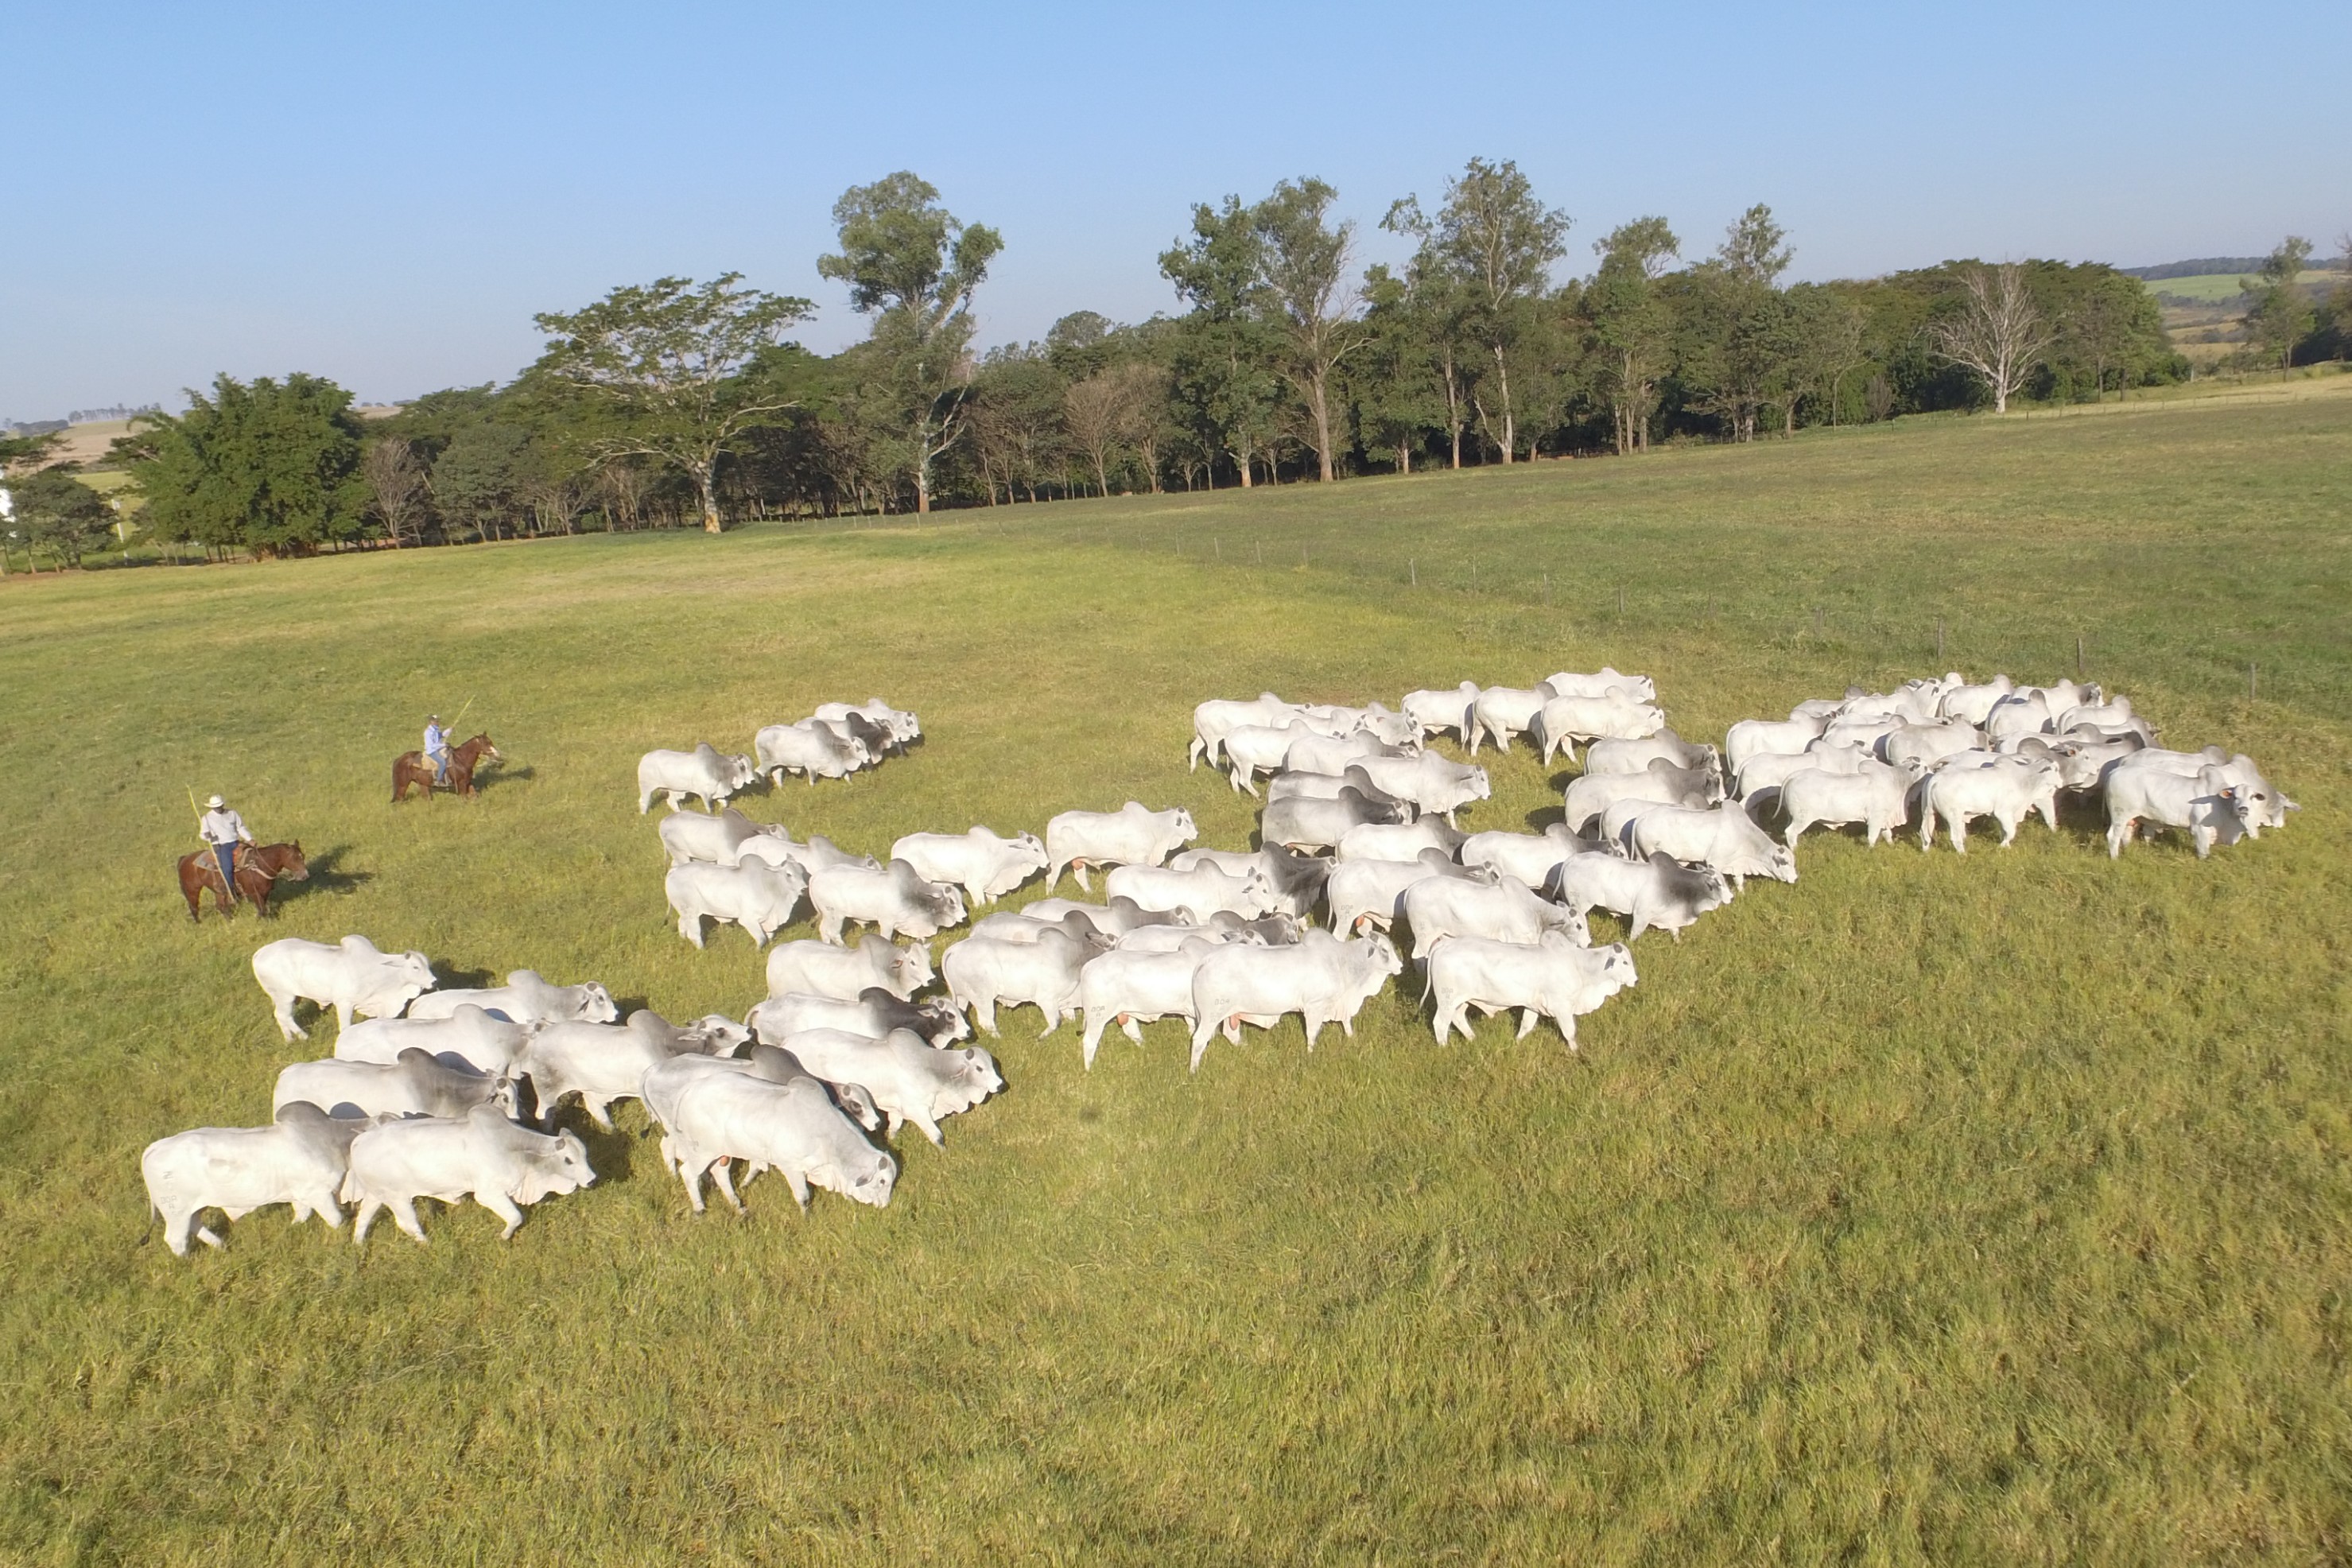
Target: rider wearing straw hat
{"points": [[222, 831]]}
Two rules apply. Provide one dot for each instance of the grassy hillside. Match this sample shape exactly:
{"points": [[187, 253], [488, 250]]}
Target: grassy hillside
{"points": [[1930, 1209], [2218, 288]]}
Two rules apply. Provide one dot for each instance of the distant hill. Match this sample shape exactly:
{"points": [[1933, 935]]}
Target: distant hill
{"points": [[2202, 267]]}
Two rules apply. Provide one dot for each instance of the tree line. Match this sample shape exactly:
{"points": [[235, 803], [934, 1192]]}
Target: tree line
{"points": [[686, 403]]}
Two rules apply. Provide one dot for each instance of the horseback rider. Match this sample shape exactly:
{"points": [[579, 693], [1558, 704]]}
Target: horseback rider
{"points": [[437, 749], [222, 830]]}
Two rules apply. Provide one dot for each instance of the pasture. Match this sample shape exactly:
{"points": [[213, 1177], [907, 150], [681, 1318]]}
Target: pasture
{"points": [[2223, 287], [1930, 1209]]}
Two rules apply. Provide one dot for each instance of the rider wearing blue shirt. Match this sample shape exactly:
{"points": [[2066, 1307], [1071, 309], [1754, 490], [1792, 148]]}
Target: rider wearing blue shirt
{"points": [[436, 749], [222, 831]]}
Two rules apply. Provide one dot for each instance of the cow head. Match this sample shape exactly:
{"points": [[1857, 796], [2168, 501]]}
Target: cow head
{"points": [[1383, 955], [1780, 864], [910, 966], [1186, 831], [591, 1003], [942, 1022], [714, 1035], [1617, 967], [739, 772], [979, 1072], [871, 1182], [559, 1165], [1032, 848], [2264, 806], [1257, 895]]}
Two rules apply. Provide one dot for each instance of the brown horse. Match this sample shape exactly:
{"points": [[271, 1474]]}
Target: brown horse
{"points": [[259, 869], [410, 768]]}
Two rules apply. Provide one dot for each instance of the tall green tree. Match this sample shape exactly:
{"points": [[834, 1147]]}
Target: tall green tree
{"points": [[1631, 325], [1738, 342], [1223, 354], [913, 267], [1497, 244], [1310, 295], [62, 514], [272, 466], [2278, 312], [667, 360]]}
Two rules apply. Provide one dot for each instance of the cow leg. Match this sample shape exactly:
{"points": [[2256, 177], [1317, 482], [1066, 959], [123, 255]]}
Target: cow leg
{"points": [[403, 1214], [369, 1209], [691, 928], [722, 1176], [691, 1175], [176, 1231], [1233, 1030], [205, 1234], [1314, 1024], [2008, 826], [1203, 1027], [283, 1007], [1079, 869], [984, 1013], [1091, 1039], [800, 1187], [1053, 1018], [930, 1129], [2118, 835], [1959, 832], [1927, 827], [828, 928], [599, 1112], [499, 1204], [1133, 1030], [1528, 1019]]}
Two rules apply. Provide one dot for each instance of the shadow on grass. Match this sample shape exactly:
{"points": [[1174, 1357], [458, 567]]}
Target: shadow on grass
{"points": [[327, 875], [450, 979]]}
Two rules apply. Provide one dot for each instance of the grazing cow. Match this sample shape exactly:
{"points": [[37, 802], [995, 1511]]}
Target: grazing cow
{"points": [[1506, 910], [473, 1036], [1295, 786], [701, 772], [1552, 979], [1131, 835], [351, 976], [300, 1159], [1322, 978], [875, 1013], [1725, 838], [908, 1080], [1564, 720], [1877, 795], [1762, 775], [1369, 893], [2007, 789], [898, 900], [718, 840], [1450, 710], [1254, 749], [412, 1084], [1112, 918], [902, 728], [503, 1167], [759, 898], [2209, 807], [1587, 796], [605, 1062], [1499, 713], [1398, 841], [526, 999], [1618, 754], [1532, 858], [772, 1064], [810, 748], [1604, 682], [2262, 803], [1660, 891], [1200, 891], [711, 1117], [1133, 988], [1929, 743], [1297, 879], [1332, 753], [1376, 720], [828, 969], [1216, 717], [818, 853], [1974, 704], [985, 866], [1430, 781], [1754, 737], [983, 973]]}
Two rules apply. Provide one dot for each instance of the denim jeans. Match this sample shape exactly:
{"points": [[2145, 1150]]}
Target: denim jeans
{"points": [[226, 854]]}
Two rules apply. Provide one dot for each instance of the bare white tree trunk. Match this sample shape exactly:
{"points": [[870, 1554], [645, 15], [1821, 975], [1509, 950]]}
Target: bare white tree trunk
{"points": [[1998, 336]]}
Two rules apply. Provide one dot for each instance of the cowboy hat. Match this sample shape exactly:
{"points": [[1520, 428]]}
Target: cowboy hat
{"points": [[216, 803]]}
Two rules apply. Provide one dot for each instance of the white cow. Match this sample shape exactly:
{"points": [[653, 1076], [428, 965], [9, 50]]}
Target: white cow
{"points": [[701, 772], [1449, 710], [1430, 781], [1589, 796], [526, 999], [1532, 858], [818, 853], [984, 974], [1254, 749], [1763, 773], [713, 1116], [903, 728], [503, 1167], [1974, 704], [1133, 988], [1604, 682], [1297, 879], [351, 976], [759, 898], [1332, 753], [828, 969], [984, 865], [1506, 910], [1271, 930], [1398, 841], [1499, 713], [689, 836], [1877, 795], [300, 1159], [811, 748], [472, 1035], [2025, 711], [1562, 721], [909, 1079], [605, 1062], [1321, 978], [1218, 717], [1131, 835], [1202, 891], [1753, 737], [896, 900], [2209, 807], [2007, 789], [1370, 893], [1301, 822], [1374, 719], [1552, 979], [1618, 754], [1660, 891], [1929, 743], [1725, 838], [1294, 785], [2262, 805], [411, 1084], [875, 1012]]}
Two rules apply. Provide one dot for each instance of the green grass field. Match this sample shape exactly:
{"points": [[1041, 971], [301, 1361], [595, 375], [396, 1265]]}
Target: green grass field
{"points": [[2218, 287], [1932, 1209]]}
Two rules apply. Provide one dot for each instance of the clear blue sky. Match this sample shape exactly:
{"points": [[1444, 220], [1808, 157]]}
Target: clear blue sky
{"points": [[385, 193]]}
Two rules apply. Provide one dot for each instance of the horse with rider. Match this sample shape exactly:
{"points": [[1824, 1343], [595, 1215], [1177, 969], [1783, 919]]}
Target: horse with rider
{"points": [[438, 764], [233, 866]]}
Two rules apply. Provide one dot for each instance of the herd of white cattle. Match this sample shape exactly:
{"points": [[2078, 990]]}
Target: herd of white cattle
{"points": [[421, 1098]]}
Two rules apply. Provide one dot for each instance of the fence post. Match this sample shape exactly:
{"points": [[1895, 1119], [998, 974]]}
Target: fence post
{"points": [[1412, 570], [1621, 601], [1817, 620], [2078, 655], [1940, 640], [2251, 687], [1218, 545]]}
